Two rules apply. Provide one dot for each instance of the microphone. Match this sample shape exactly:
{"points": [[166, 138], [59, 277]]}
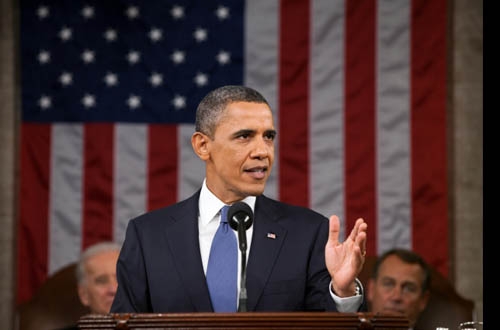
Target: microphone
{"points": [[240, 218]]}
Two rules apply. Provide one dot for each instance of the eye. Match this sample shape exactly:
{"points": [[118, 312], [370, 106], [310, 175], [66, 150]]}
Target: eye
{"points": [[243, 134], [410, 288], [270, 136], [101, 280], [387, 284]]}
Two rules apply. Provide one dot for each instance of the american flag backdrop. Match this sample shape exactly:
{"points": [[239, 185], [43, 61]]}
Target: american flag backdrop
{"points": [[110, 89]]}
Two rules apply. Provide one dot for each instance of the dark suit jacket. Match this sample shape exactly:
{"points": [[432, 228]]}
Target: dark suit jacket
{"points": [[160, 269]]}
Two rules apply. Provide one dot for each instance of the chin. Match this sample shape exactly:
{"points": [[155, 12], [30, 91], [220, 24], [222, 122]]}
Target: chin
{"points": [[253, 189], [256, 191]]}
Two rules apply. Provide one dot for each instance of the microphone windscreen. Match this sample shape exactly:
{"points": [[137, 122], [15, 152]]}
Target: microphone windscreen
{"points": [[240, 212]]}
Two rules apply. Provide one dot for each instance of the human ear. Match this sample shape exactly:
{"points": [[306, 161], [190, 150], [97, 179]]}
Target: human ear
{"points": [[83, 294], [199, 142]]}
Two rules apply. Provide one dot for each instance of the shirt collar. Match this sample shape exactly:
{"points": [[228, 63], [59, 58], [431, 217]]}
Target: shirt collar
{"points": [[209, 205]]}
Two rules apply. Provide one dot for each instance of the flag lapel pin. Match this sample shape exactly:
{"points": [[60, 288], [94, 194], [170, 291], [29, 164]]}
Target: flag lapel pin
{"points": [[271, 235]]}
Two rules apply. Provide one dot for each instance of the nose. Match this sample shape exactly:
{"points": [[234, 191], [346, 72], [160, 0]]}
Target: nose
{"points": [[262, 149], [396, 293], [113, 285]]}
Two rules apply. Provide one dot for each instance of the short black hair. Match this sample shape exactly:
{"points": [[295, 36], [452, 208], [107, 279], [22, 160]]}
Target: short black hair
{"points": [[212, 106]]}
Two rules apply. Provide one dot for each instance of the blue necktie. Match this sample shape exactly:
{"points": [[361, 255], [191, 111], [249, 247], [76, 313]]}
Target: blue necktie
{"points": [[222, 267]]}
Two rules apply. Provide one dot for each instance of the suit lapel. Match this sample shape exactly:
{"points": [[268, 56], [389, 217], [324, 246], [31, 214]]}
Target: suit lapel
{"points": [[182, 239], [267, 239]]}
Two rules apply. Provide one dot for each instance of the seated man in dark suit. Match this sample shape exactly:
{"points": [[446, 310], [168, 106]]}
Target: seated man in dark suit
{"points": [[296, 262], [96, 277], [400, 284]]}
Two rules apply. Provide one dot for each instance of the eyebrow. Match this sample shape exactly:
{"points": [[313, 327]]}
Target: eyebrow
{"points": [[244, 131], [271, 131], [251, 131]]}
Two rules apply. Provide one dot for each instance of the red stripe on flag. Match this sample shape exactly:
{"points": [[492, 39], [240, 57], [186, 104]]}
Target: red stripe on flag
{"points": [[163, 165], [428, 101], [98, 183], [32, 260], [360, 138], [294, 102]]}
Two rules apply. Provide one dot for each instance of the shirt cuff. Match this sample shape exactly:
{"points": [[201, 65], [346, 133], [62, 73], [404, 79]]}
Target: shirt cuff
{"points": [[348, 304]]}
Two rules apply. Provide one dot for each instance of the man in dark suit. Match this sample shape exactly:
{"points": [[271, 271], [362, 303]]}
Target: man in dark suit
{"points": [[296, 262], [96, 278], [400, 284]]}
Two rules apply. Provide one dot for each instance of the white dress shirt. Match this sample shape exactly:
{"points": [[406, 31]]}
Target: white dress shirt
{"points": [[208, 222]]}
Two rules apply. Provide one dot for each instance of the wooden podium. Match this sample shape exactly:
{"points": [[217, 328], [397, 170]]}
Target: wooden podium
{"points": [[246, 320]]}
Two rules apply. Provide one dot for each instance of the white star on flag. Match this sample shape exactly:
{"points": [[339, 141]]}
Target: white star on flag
{"points": [[132, 12], [178, 57], [201, 79], [134, 101], [88, 56], [110, 35], [66, 78], [88, 12], [65, 34], [111, 79], [88, 100], [200, 34], [45, 102], [44, 57], [43, 12], [156, 79], [223, 57], [222, 13], [177, 12], [133, 57], [179, 102]]}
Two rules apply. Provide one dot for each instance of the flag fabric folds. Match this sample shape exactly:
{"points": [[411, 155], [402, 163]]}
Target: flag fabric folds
{"points": [[110, 89]]}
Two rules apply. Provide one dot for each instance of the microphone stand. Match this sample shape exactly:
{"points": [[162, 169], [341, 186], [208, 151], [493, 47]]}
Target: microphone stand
{"points": [[240, 217], [242, 306]]}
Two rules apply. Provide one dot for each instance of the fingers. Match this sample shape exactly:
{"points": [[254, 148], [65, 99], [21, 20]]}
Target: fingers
{"points": [[357, 235], [360, 227], [333, 237]]}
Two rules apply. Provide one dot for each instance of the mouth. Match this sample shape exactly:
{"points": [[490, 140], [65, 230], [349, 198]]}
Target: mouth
{"points": [[258, 172]]}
